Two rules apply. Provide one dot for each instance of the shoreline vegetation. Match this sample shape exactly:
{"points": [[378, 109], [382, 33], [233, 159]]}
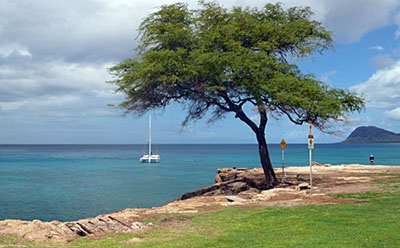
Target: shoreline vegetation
{"points": [[236, 190]]}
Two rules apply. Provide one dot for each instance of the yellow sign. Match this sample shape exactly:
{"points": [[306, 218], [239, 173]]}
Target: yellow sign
{"points": [[310, 143], [283, 144]]}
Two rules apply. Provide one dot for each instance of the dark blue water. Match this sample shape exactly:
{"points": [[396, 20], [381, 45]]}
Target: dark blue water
{"points": [[71, 182]]}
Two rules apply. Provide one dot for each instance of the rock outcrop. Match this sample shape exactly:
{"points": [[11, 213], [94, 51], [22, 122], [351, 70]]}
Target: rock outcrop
{"points": [[55, 231], [234, 181], [231, 181]]}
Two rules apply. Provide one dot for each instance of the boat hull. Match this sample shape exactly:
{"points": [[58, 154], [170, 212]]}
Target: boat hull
{"points": [[154, 158]]}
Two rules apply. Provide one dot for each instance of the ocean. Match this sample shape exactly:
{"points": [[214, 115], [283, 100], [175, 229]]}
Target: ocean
{"points": [[71, 182]]}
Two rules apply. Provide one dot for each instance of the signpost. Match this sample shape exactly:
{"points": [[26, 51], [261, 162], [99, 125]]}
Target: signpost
{"points": [[283, 146], [310, 148]]}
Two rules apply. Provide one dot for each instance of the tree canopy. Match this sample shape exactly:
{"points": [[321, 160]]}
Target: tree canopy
{"points": [[214, 60]]}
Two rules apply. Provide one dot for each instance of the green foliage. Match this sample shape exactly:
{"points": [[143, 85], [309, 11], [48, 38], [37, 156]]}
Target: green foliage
{"points": [[215, 59]]}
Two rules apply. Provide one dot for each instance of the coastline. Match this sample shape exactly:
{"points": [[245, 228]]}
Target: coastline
{"points": [[327, 180], [68, 183]]}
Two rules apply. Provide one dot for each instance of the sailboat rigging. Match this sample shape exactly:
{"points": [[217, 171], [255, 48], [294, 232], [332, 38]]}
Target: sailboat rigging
{"points": [[150, 158]]}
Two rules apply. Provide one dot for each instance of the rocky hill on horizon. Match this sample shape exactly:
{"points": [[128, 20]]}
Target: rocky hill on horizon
{"points": [[372, 134]]}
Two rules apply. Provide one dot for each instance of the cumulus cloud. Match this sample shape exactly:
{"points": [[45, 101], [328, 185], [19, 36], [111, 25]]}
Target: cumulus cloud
{"points": [[382, 90], [394, 114], [72, 30], [54, 55], [55, 89], [351, 20], [56, 77]]}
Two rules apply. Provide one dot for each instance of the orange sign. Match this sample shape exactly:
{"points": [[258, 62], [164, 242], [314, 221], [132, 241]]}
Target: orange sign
{"points": [[283, 144]]}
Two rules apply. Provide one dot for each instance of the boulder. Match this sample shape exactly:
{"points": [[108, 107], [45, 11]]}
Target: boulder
{"points": [[303, 186], [230, 174], [37, 230]]}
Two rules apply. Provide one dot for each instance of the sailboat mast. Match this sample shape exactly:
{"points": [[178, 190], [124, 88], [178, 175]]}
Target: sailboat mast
{"points": [[150, 135], [149, 157]]}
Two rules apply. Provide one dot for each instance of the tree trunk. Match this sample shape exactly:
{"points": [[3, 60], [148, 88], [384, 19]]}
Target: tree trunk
{"points": [[262, 143], [266, 160]]}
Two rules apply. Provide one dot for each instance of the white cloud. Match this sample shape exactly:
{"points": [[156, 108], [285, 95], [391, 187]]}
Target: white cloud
{"points": [[72, 30], [351, 20], [54, 78], [6, 106], [14, 49], [325, 77], [378, 48], [56, 89], [393, 114], [382, 89]]}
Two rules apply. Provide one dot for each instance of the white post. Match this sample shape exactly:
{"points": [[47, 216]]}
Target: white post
{"points": [[310, 147], [283, 146], [310, 171], [283, 166]]}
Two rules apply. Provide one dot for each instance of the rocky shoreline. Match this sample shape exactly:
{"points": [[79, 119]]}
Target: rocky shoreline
{"points": [[233, 187]]}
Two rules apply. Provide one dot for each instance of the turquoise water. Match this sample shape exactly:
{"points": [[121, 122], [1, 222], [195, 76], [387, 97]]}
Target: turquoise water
{"points": [[71, 182]]}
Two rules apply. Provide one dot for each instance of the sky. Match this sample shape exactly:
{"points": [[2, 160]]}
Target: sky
{"points": [[55, 55]]}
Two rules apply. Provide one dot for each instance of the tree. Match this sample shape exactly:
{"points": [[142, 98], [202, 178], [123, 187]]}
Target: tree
{"points": [[218, 61]]}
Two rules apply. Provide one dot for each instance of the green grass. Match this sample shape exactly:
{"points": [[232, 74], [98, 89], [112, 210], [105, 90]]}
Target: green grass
{"points": [[373, 223]]}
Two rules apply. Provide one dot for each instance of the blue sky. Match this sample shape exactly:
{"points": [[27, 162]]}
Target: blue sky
{"points": [[54, 57]]}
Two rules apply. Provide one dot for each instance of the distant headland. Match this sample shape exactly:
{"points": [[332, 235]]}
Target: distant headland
{"points": [[372, 134]]}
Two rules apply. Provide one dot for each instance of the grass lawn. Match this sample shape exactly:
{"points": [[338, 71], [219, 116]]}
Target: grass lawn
{"points": [[373, 223]]}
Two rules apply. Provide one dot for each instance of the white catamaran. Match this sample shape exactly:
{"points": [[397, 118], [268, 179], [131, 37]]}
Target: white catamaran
{"points": [[150, 158]]}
